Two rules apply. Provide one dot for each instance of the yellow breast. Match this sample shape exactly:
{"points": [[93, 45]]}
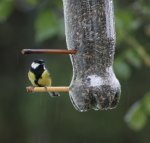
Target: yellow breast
{"points": [[45, 79]]}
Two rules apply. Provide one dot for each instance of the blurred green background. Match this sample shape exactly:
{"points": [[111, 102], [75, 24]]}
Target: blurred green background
{"points": [[37, 118]]}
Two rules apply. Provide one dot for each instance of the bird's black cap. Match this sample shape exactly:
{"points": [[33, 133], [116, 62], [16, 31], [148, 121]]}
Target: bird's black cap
{"points": [[40, 61]]}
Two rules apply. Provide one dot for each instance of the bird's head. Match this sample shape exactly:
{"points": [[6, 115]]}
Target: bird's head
{"points": [[37, 63]]}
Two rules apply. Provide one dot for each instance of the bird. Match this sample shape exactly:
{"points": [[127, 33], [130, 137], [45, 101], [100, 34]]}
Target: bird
{"points": [[39, 76]]}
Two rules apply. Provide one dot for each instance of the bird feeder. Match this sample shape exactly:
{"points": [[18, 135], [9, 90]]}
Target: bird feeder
{"points": [[90, 37]]}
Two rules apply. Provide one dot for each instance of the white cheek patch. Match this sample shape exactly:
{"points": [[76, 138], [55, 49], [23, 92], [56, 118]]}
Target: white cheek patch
{"points": [[34, 65]]}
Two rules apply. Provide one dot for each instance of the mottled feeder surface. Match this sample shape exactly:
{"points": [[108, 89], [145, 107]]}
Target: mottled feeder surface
{"points": [[89, 26]]}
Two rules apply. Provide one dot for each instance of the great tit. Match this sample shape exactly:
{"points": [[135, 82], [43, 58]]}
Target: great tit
{"points": [[39, 75]]}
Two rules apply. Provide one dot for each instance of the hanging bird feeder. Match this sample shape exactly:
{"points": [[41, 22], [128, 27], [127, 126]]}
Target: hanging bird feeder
{"points": [[90, 36]]}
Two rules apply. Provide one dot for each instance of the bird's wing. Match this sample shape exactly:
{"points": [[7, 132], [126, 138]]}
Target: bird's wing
{"points": [[32, 78]]}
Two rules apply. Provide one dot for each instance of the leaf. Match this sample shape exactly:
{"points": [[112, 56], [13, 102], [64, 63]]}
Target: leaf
{"points": [[124, 17], [146, 103], [6, 7], [46, 25], [136, 118], [122, 69], [133, 58], [32, 2]]}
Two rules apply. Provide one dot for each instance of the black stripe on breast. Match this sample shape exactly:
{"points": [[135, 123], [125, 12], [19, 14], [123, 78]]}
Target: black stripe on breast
{"points": [[38, 73]]}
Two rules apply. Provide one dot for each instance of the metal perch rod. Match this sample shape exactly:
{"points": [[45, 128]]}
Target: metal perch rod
{"points": [[47, 51], [48, 89]]}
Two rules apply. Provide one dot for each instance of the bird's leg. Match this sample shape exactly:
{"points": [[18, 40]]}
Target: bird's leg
{"points": [[52, 94], [48, 91]]}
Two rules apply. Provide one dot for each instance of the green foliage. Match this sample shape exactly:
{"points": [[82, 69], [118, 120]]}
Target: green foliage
{"points": [[146, 103], [132, 40], [123, 64], [6, 7], [136, 117], [46, 25], [132, 22], [122, 69], [132, 57], [132, 53], [32, 2], [138, 113]]}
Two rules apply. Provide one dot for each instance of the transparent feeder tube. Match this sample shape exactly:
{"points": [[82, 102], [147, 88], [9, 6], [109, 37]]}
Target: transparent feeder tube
{"points": [[89, 28]]}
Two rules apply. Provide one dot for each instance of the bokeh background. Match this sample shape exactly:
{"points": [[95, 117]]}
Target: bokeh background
{"points": [[37, 118]]}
